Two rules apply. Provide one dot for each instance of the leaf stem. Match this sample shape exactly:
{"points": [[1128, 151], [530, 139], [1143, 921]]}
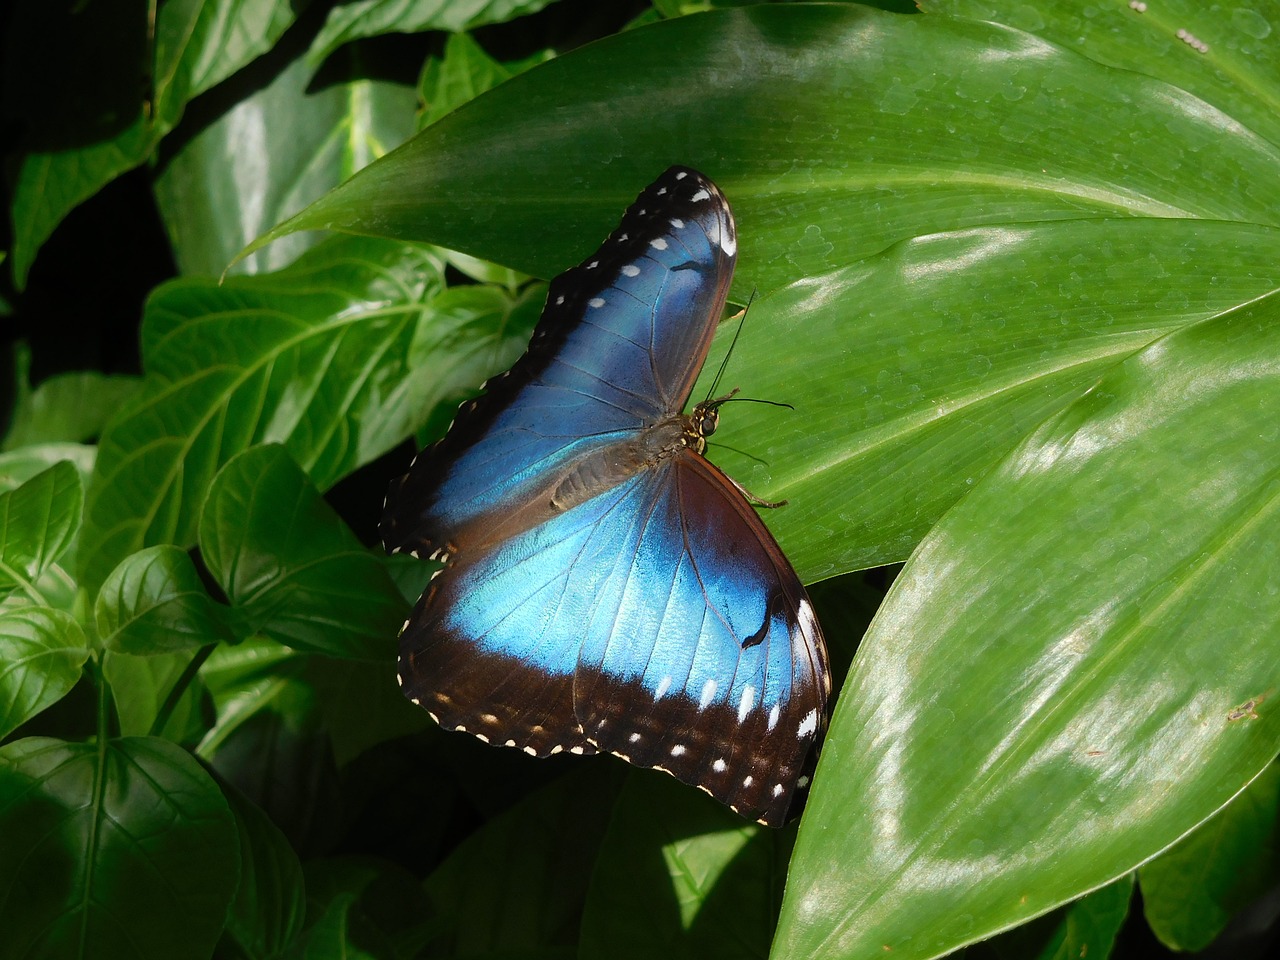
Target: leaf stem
{"points": [[179, 688]]}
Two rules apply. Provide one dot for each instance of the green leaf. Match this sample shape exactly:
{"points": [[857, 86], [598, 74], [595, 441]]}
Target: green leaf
{"points": [[364, 909], [834, 129], [154, 603], [41, 653], [251, 678], [197, 43], [79, 135], [369, 18], [270, 904], [462, 74], [293, 144], [517, 885], [140, 687], [903, 402], [38, 523], [1190, 892], [360, 705], [325, 357], [121, 849], [1237, 71], [1053, 690], [679, 875], [67, 407], [19, 466], [293, 571], [1084, 928]]}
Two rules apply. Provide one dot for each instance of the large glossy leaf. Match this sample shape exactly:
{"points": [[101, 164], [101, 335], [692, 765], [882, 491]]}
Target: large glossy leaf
{"points": [[38, 523], [834, 130], [912, 372], [41, 653], [269, 156], [1084, 928], [1190, 892], [338, 357], [123, 849], [1225, 55], [1056, 687], [292, 570]]}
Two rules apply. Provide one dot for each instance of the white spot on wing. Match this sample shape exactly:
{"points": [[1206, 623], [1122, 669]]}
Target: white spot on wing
{"points": [[747, 702], [530, 751], [808, 726], [631, 270], [658, 243], [663, 687], [777, 789], [681, 175], [748, 780], [634, 738], [700, 196], [708, 694], [773, 717], [678, 750], [729, 241], [719, 766], [677, 223], [596, 302], [802, 783]]}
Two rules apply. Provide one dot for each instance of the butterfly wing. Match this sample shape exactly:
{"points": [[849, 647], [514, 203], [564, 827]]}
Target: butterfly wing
{"points": [[658, 621], [618, 346]]}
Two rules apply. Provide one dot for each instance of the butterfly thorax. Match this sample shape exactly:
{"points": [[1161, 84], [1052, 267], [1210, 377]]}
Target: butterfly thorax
{"points": [[605, 468]]}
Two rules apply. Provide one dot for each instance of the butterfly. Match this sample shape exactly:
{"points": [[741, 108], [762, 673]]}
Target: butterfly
{"points": [[605, 587]]}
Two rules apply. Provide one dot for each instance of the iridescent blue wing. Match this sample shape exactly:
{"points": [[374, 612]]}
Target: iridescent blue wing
{"points": [[619, 344], [658, 621]]}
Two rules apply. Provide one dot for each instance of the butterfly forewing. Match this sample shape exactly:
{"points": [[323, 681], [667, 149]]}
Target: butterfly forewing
{"points": [[618, 346]]}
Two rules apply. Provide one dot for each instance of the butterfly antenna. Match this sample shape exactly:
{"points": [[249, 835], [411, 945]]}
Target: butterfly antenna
{"points": [[733, 343]]}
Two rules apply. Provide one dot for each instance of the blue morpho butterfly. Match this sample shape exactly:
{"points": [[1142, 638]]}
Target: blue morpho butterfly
{"points": [[604, 587]]}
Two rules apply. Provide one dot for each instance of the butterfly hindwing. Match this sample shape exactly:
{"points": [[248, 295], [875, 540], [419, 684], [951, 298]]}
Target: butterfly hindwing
{"points": [[662, 621]]}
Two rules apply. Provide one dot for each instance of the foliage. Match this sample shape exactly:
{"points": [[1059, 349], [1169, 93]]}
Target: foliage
{"points": [[1015, 270]]}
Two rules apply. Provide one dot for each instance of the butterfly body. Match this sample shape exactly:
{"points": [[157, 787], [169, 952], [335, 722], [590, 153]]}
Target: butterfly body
{"points": [[605, 587]]}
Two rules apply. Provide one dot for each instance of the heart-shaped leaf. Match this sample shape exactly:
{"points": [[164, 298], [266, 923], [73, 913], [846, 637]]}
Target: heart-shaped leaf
{"points": [[120, 849]]}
